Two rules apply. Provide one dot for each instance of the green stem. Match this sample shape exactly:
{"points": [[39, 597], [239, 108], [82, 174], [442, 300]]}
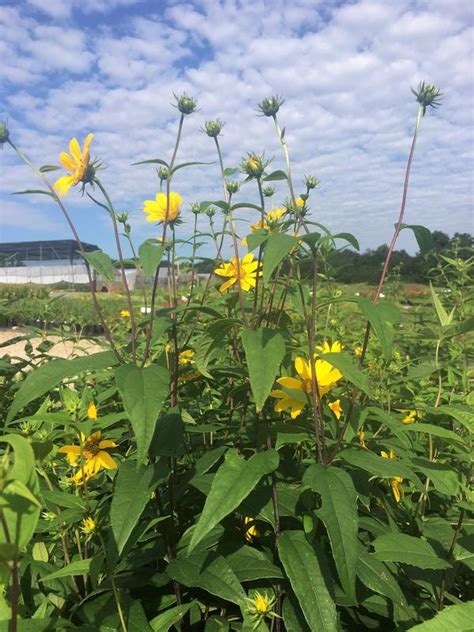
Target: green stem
{"points": [[114, 587]]}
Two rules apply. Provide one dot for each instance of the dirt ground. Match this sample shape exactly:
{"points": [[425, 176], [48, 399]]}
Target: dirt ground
{"points": [[61, 348]]}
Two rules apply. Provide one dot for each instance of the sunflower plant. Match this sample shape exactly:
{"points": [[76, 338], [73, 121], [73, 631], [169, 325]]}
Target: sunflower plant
{"points": [[250, 447]]}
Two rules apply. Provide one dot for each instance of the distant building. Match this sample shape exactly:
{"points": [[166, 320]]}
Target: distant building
{"points": [[45, 262]]}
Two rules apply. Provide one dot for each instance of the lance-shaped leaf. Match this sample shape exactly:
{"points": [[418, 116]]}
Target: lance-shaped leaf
{"points": [[278, 246], [406, 549], [44, 378], [264, 352], [456, 618], [143, 391], [150, 253], [375, 575], [302, 569], [423, 237], [349, 370], [233, 482], [339, 515], [101, 263]]}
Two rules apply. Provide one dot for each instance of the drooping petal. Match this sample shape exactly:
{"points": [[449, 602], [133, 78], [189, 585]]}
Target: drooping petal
{"points": [[75, 150], [291, 383], [67, 162], [87, 145], [227, 284], [106, 461], [303, 369], [63, 184], [107, 443]]}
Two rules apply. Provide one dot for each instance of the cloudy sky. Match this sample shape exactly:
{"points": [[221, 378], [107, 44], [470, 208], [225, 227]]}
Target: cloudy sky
{"points": [[345, 69]]}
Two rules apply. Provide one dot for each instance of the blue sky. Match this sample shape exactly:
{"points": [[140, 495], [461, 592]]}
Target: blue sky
{"points": [[345, 69]]}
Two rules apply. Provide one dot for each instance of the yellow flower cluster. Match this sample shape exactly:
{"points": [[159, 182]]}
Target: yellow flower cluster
{"points": [[92, 449], [246, 269]]}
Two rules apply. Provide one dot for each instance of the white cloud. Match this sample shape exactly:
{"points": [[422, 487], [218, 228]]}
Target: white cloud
{"points": [[345, 71]]}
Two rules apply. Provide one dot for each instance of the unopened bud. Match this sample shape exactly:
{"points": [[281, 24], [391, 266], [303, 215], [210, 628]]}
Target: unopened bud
{"points": [[4, 133], [311, 182], [270, 105], [427, 95], [163, 173], [213, 128], [232, 186], [268, 191], [186, 104]]}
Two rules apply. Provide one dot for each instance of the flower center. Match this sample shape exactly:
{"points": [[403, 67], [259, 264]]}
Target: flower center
{"points": [[91, 448]]}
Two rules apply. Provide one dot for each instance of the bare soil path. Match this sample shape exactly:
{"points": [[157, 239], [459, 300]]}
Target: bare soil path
{"points": [[61, 349]]}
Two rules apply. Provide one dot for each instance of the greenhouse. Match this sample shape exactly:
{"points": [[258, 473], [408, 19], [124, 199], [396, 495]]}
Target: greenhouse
{"points": [[43, 262]]}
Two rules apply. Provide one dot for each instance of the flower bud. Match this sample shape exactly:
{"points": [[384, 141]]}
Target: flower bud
{"points": [[122, 217], [268, 191], [4, 133], [196, 208], [186, 104], [311, 182], [254, 165], [232, 186], [213, 128], [210, 212], [427, 95], [163, 173], [270, 105]]}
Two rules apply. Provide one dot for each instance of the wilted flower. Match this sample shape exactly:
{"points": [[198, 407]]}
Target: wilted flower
{"points": [[186, 104], [410, 417], [396, 481], [251, 531], [92, 448], [244, 270], [77, 164], [213, 128], [270, 105], [336, 408], [362, 443], [427, 95], [157, 210]]}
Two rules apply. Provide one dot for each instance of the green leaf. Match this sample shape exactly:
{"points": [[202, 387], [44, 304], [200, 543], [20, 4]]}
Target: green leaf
{"points": [[462, 415], [264, 352], [278, 246], [132, 491], [44, 378], [168, 439], [143, 392], [377, 465], [101, 263], [456, 618], [47, 168], [423, 237], [339, 515], [150, 253], [302, 569], [80, 567], [275, 175], [349, 237], [164, 621], [250, 564], [375, 575], [256, 239], [230, 171], [153, 161], [208, 571], [457, 329], [233, 482], [32, 191], [350, 371], [382, 317], [406, 549], [443, 317], [190, 164], [19, 512]]}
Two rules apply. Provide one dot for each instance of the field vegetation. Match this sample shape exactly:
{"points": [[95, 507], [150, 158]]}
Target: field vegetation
{"points": [[277, 452]]}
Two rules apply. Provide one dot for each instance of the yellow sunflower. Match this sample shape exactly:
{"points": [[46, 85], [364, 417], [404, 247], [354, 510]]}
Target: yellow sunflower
{"points": [[92, 449], [246, 267], [77, 164], [156, 210], [326, 378]]}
